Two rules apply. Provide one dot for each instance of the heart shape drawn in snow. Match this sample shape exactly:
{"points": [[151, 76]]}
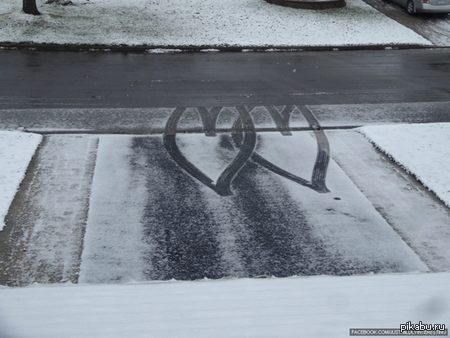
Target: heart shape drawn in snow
{"points": [[281, 119], [244, 137], [223, 183]]}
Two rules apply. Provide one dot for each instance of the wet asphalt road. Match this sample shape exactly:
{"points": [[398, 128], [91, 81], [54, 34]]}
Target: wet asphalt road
{"points": [[106, 80]]}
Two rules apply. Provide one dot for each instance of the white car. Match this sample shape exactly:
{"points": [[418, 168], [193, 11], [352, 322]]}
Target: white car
{"points": [[425, 6]]}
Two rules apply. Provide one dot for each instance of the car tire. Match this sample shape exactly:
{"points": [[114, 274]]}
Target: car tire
{"points": [[410, 7]]}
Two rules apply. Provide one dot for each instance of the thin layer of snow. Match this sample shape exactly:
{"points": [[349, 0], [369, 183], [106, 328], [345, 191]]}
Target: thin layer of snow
{"points": [[52, 212], [422, 222], [201, 23], [148, 218], [291, 307], [16, 150], [422, 149], [116, 206], [380, 113]]}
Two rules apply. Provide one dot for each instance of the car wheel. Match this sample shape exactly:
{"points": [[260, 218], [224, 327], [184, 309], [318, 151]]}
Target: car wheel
{"points": [[410, 7]]}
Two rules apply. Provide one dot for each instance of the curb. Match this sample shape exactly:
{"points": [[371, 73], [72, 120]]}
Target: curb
{"points": [[309, 4], [198, 49]]}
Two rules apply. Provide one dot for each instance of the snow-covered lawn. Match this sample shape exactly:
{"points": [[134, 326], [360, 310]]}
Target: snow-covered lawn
{"points": [[291, 307], [422, 149], [16, 151], [200, 23]]}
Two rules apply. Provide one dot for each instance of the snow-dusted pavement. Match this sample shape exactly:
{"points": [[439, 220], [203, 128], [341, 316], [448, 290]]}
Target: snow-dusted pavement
{"points": [[104, 209], [115, 208], [47, 223], [435, 28], [149, 220]]}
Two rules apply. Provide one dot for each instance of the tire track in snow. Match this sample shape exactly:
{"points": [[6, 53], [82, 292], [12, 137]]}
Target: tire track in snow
{"points": [[179, 231], [173, 226]]}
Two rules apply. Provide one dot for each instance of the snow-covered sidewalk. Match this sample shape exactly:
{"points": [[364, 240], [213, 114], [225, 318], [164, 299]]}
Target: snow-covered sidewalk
{"points": [[201, 23]]}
